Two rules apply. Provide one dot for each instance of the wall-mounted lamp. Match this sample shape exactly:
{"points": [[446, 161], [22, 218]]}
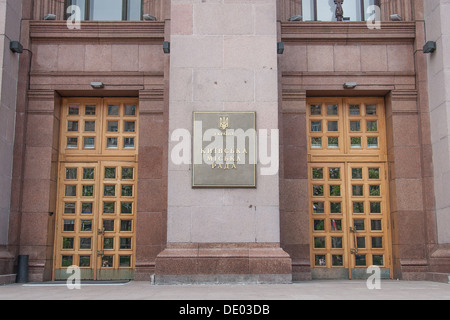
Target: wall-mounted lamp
{"points": [[396, 17], [97, 85], [350, 85], [296, 18], [166, 47], [280, 47], [149, 17], [50, 16], [429, 47], [16, 47]]}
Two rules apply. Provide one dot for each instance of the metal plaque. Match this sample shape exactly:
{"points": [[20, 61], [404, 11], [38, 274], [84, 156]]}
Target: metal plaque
{"points": [[224, 150]]}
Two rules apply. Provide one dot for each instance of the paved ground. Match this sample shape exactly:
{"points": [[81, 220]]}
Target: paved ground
{"points": [[313, 290]]}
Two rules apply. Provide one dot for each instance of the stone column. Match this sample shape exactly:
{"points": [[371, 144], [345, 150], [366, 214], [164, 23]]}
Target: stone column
{"points": [[10, 15], [223, 58]]}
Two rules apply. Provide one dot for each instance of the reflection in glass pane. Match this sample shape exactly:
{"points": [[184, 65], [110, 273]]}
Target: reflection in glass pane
{"points": [[89, 143], [72, 143], [319, 207], [333, 126], [85, 261], [332, 110], [333, 142], [377, 242], [354, 110], [357, 190], [134, 10], [359, 224], [108, 243], [308, 10], [109, 190], [110, 173], [374, 191], [72, 126], [316, 110], [74, 109], [69, 208], [375, 225], [125, 261], [107, 261], [71, 173], [125, 243], [316, 126], [108, 225], [358, 207], [360, 259], [128, 143], [126, 225], [357, 173], [113, 126], [335, 191], [319, 225], [335, 207], [372, 126], [85, 243], [111, 143], [88, 173], [126, 208], [86, 208], [66, 261], [371, 110], [337, 260], [127, 191], [372, 142], [113, 110], [129, 126], [361, 242], [71, 191], [336, 242], [90, 110], [335, 173], [69, 225], [319, 242], [377, 260], [130, 110], [127, 173], [86, 225], [316, 142], [89, 126], [88, 191], [318, 191], [355, 126], [109, 207], [317, 173], [319, 260], [106, 10], [374, 173], [336, 224], [326, 11], [355, 142], [375, 207]]}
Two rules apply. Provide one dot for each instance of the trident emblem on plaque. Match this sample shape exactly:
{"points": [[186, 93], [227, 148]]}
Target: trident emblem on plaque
{"points": [[224, 123]]}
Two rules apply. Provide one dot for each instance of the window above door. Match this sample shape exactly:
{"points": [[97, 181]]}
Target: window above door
{"points": [[325, 10], [108, 10]]}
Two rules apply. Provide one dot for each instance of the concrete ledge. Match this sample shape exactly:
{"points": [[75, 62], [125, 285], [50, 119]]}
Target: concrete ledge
{"points": [[223, 279], [438, 277], [7, 279]]}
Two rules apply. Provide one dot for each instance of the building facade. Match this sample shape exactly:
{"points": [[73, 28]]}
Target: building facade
{"points": [[349, 116]]}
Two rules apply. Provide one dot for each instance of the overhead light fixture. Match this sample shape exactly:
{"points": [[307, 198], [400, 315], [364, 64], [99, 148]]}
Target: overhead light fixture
{"points": [[16, 47], [166, 47], [429, 47], [50, 16], [149, 17], [296, 18], [396, 17], [97, 85], [280, 47], [350, 85]]}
